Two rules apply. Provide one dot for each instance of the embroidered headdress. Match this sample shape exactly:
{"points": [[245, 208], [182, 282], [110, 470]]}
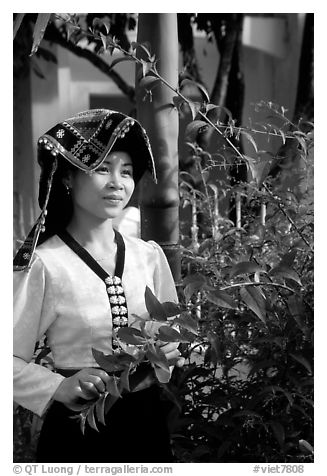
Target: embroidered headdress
{"points": [[85, 141]]}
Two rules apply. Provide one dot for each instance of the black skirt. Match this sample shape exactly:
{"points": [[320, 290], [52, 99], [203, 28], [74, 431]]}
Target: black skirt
{"points": [[136, 432]]}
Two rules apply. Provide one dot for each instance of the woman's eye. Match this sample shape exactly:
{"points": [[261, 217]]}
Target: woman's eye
{"points": [[103, 169], [127, 172]]}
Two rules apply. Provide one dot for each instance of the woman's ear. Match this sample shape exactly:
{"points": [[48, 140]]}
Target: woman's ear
{"points": [[67, 180]]}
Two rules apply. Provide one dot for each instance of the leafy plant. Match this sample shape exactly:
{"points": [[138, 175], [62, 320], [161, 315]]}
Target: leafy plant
{"points": [[139, 343], [247, 390]]}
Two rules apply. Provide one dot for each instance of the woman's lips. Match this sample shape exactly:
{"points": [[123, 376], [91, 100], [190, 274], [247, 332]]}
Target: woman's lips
{"points": [[112, 199]]}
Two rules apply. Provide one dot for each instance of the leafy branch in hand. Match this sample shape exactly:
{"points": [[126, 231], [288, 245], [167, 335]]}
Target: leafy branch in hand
{"points": [[138, 344]]}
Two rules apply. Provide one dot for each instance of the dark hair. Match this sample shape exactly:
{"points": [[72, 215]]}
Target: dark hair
{"points": [[60, 204]]}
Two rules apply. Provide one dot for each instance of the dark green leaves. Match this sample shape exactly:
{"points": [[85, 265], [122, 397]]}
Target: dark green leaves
{"points": [[159, 311], [120, 60], [255, 301], [245, 267], [190, 82], [154, 307], [285, 272], [221, 299], [39, 30], [149, 82], [168, 334], [130, 335], [112, 363], [186, 321], [194, 284], [194, 128], [159, 363]]}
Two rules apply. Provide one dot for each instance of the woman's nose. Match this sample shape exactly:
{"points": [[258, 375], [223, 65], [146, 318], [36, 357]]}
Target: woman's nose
{"points": [[114, 180]]}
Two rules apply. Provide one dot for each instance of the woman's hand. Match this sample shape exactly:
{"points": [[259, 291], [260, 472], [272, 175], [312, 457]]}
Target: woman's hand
{"points": [[172, 354], [87, 384]]}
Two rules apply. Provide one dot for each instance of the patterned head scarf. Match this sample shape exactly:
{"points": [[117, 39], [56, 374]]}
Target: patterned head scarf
{"points": [[85, 141]]}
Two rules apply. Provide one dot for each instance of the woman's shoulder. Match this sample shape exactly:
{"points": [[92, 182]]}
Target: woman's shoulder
{"points": [[142, 245], [51, 245], [52, 252], [139, 242]]}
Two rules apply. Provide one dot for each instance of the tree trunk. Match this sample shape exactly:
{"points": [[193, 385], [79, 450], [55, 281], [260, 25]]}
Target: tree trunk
{"points": [[160, 203], [304, 106], [186, 41]]}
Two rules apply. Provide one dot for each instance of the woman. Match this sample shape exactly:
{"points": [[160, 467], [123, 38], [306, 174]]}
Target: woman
{"points": [[78, 281]]}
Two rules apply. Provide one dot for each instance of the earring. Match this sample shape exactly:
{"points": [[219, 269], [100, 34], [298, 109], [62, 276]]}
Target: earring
{"points": [[67, 189]]}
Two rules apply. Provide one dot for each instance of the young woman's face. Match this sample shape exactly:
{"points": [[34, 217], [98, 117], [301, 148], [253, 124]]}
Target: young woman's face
{"points": [[104, 193]]}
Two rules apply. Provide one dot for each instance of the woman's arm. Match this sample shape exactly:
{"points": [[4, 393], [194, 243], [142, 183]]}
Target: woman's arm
{"points": [[34, 385]]}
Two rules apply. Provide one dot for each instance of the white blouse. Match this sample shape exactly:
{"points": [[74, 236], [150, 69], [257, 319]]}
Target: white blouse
{"points": [[60, 296]]}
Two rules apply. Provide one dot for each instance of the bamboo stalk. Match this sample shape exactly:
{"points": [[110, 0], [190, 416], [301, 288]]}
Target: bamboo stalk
{"points": [[238, 210], [263, 211], [194, 227]]}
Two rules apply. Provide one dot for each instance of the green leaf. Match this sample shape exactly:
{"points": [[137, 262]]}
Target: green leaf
{"points": [[171, 309], [194, 128], [144, 47], [120, 60], [288, 258], [168, 334], [245, 267], [279, 432], [178, 102], [255, 301], [154, 307], [18, 22], [285, 272], [273, 389], [186, 335], [147, 67], [191, 82], [305, 447], [162, 375], [159, 363], [194, 277], [214, 113], [157, 357], [149, 82], [186, 321], [303, 361], [82, 419], [192, 288], [282, 133], [110, 400], [91, 418], [130, 335], [297, 310], [221, 299], [250, 139], [39, 30], [97, 23], [109, 363], [194, 107], [112, 387], [99, 409], [71, 29], [124, 380], [259, 168]]}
